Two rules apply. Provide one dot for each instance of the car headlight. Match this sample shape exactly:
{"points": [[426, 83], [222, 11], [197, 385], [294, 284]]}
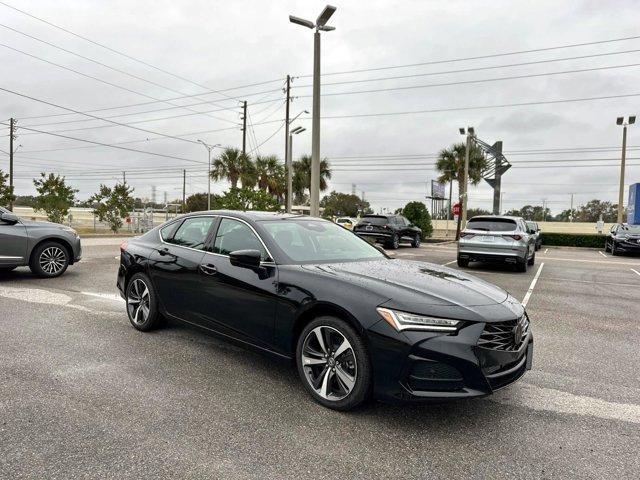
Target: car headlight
{"points": [[70, 230], [410, 321]]}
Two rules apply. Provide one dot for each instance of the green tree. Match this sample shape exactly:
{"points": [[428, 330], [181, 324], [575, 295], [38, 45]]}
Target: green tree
{"points": [[536, 213], [234, 166], [6, 192], [198, 202], [271, 176], [302, 177], [249, 199], [418, 214], [343, 204], [474, 212], [450, 165], [113, 204], [594, 209], [54, 198]]}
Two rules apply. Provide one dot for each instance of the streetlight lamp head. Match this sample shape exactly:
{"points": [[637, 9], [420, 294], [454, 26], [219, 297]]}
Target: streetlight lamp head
{"points": [[327, 28], [307, 112], [462, 131], [301, 21], [632, 119], [298, 130], [619, 120], [324, 17]]}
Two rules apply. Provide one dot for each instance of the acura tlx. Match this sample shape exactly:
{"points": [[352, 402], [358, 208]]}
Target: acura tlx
{"points": [[357, 323]]}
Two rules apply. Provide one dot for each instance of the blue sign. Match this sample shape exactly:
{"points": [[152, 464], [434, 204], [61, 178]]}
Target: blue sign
{"points": [[633, 207]]}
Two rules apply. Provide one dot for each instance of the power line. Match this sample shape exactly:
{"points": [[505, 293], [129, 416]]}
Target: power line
{"points": [[467, 82], [111, 146], [474, 69], [479, 57], [89, 115]]}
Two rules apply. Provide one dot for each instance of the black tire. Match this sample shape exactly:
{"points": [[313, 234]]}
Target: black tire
{"points": [[463, 262], [395, 242], [143, 319], [614, 249], [49, 260], [532, 260], [521, 265], [416, 241], [354, 361], [606, 246]]}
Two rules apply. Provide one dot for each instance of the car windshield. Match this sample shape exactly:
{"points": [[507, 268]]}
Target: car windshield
{"points": [[629, 229], [492, 224], [531, 225], [375, 220], [310, 241]]}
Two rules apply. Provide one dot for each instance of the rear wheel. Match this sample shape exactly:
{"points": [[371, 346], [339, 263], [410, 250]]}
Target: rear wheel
{"points": [[416, 241], [333, 363], [521, 265], [532, 260], [142, 304], [463, 262], [49, 260]]}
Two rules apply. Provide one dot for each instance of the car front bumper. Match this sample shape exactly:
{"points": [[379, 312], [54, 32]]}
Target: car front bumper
{"points": [[415, 366], [77, 250]]}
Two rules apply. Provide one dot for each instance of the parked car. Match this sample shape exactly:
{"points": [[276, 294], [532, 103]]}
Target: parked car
{"points": [[47, 248], [356, 322], [493, 238], [623, 238], [345, 222], [389, 230], [533, 227]]}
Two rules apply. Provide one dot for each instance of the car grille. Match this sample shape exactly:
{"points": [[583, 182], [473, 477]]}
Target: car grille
{"points": [[508, 336]]}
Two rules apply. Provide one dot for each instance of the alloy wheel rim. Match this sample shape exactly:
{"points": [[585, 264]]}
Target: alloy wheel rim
{"points": [[138, 301], [52, 260], [329, 363]]}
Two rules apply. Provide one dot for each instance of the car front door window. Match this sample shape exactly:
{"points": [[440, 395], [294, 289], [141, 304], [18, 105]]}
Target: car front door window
{"points": [[234, 235]]}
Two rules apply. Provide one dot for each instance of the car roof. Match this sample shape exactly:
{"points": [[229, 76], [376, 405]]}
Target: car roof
{"points": [[489, 217], [249, 214]]}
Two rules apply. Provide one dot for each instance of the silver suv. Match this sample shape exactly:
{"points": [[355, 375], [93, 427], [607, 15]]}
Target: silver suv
{"points": [[497, 239]]}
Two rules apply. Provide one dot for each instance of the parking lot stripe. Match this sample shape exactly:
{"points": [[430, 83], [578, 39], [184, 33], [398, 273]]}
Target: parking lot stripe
{"points": [[106, 296], [448, 263], [546, 250], [635, 271], [571, 280], [586, 260], [605, 256], [526, 298]]}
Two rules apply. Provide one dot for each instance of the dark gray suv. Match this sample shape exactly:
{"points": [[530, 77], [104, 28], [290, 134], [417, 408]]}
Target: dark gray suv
{"points": [[47, 248]]}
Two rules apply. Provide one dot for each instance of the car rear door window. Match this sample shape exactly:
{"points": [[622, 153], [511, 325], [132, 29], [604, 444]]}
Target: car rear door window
{"points": [[234, 235], [375, 220], [193, 232], [167, 232]]}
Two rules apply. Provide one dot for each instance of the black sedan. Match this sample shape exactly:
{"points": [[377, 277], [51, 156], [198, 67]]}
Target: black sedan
{"points": [[623, 238], [357, 323]]}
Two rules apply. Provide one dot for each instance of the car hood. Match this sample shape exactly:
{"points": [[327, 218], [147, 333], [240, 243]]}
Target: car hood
{"points": [[416, 283]]}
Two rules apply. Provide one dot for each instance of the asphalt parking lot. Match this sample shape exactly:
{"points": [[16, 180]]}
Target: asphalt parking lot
{"points": [[84, 395]]}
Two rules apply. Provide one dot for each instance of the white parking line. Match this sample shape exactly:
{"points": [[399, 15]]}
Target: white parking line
{"points": [[449, 263], [526, 298], [635, 271], [605, 256], [546, 250], [105, 296]]}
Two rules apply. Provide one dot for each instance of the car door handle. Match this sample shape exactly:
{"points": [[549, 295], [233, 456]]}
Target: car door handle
{"points": [[163, 251], [208, 269]]}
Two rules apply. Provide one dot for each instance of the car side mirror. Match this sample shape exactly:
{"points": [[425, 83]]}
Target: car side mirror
{"points": [[245, 258], [531, 231], [9, 218]]}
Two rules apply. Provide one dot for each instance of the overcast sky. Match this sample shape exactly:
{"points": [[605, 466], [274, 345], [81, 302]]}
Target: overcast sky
{"points": [[216, 45]]}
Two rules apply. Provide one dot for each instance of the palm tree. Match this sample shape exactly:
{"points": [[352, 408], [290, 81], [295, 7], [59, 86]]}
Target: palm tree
{"points": [[234, 166], [302, 177], [450, 165], [267, 171]]}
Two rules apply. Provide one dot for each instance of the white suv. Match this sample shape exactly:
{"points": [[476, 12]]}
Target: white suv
{"points": [[497, 239]]}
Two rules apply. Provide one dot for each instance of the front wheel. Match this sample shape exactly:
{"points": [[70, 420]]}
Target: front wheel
{"points": [[614, 249], [333, 364], [463, 262], [416, 241], [49, 260]]}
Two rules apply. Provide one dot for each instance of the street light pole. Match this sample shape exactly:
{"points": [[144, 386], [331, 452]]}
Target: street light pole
{"points": [[209, 148], [293, 132], [470, 132], [319, 25], [620, 121]]}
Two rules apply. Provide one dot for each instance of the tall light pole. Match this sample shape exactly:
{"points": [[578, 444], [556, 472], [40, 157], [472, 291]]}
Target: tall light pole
{"points": [[470, 133], [209, 148], [319, 25], [293, 132], [620, 121], [288, 160]]}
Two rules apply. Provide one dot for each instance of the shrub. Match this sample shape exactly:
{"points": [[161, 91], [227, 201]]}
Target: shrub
{"points": [[589, 240]]}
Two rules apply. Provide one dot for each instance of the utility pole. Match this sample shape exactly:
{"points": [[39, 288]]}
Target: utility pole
{"points": [[620, 121], [153, 195], [353, 189], [244, 127], [287, 149], [571, 210], [184, 191], [12, 126], [544, 209], [124, 177], [470, 133]]}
